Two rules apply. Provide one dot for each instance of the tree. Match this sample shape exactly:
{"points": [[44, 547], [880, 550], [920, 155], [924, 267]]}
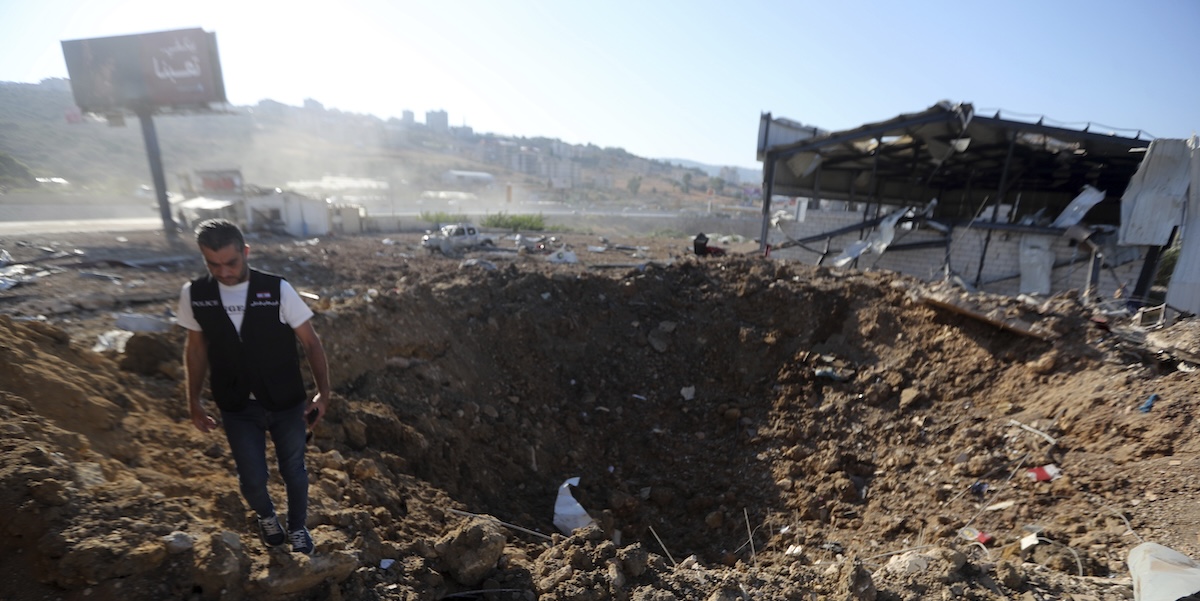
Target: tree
{"points": [[634, 184], [687, 183], [717, 184]]}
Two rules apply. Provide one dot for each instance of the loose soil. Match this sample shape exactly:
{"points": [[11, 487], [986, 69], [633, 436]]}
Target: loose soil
{"points": [[741, 427]]}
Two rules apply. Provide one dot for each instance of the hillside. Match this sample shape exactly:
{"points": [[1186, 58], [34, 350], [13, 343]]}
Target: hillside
{"points": [[273, 144]]}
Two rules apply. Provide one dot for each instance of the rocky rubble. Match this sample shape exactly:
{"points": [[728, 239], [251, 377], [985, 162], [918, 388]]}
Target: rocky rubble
{"points": [[742, 428]]}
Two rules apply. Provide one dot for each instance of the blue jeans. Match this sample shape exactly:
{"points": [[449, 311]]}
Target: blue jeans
{"points": [[246, 431]]}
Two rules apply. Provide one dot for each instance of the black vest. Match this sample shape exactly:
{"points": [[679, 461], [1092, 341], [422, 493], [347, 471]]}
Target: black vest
{"points": [[263, 360]]}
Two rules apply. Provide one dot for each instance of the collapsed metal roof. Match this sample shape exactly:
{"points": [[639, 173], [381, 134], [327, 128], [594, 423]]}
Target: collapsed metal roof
{"points": [[951, 153]]}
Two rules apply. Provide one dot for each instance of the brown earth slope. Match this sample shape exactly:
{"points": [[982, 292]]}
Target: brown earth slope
{"points": [[741, 427]]}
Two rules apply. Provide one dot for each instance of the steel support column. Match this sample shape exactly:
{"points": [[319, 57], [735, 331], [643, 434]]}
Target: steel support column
{"points": [[987, 240], [768, 190]]}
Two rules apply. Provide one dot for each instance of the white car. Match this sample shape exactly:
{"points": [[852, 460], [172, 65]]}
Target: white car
{"points": [[455, 238]]}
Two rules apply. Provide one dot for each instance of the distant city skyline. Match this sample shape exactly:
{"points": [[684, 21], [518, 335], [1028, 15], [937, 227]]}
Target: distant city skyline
{"points": [[670, 81]]}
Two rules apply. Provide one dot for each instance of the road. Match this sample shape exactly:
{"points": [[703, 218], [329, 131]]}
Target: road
{"points": [[66, 226], [61, 218]]}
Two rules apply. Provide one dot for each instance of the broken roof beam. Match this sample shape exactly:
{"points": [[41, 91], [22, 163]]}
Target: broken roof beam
{"points": [[1063, 134], [871, 130], [994, 317]]}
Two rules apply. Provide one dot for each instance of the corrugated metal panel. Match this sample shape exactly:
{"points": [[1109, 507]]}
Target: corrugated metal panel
{"points": [[1153, 202], [781, 132], [1184, 290], [1079, 207]]}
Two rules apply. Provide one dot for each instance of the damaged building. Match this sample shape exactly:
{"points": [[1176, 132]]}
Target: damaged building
{"points": [[993, 203]]}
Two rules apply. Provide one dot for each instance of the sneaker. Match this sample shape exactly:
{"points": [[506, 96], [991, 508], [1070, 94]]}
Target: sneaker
{"points": [[270, 531], [302, 541]]}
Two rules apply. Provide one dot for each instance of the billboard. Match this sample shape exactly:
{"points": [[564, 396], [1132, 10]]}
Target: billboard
{"points": [[164, 69], [220, 181]]}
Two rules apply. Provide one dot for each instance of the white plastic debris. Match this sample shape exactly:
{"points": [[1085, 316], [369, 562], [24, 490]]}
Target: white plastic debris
{"points": [[908, 563], [112, 340], [1161, 573], [14, 275], [563, 255], [1000, 506], [568, 513]]}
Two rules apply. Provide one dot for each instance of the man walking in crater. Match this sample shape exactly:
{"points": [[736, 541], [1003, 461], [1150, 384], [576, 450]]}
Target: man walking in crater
{"points": [[242, 330]]}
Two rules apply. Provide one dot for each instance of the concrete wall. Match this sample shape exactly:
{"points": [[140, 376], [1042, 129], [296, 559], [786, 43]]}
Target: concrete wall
{"points": [[1001, 266]]}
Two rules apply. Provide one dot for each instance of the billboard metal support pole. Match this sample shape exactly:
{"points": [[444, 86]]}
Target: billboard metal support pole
{"points": [[150, 135]]}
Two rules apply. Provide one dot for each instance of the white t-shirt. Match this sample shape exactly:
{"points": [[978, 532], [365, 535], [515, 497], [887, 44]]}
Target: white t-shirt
{"points": [[292, 309]]}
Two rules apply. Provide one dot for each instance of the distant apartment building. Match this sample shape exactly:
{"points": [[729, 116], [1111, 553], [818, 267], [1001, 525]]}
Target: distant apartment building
{"points": [[559, 148], [408, 118], [730, 175], [438, 121], [560, 172], [523, 159]]}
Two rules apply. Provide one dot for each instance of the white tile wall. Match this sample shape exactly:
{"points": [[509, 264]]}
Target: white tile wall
{"points": [[1001, 268]]}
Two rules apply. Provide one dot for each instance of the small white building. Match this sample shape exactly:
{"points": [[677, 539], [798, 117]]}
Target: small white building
{"points": [[283, 211]]}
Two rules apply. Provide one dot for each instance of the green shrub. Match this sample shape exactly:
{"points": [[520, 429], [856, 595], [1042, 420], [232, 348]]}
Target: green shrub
{"points": [[442, 217], [526, 223], [668, 234]]}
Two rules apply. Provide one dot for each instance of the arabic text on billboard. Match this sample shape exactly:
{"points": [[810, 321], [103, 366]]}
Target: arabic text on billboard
{"points": [[223, 181], [150, 70]]}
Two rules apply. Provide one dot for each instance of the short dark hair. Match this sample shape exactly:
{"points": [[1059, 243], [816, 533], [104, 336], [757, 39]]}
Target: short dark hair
{"points": [[216, 234]]}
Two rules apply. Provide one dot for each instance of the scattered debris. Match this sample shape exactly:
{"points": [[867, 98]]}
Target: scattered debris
{"points": [[1002, 505], [831, 374], [1161, 573], [1045, 473], [1047, 437], [973, 534], [478, 263], [563, 255], [112, 340], [569, 515], [1146, 406], [969, 305]]}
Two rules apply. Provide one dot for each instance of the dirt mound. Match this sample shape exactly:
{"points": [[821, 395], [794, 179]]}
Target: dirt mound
{"points": [[740, 427]]}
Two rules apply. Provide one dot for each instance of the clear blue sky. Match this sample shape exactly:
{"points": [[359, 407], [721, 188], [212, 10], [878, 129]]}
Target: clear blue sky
{"points": [[668, 79]]}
